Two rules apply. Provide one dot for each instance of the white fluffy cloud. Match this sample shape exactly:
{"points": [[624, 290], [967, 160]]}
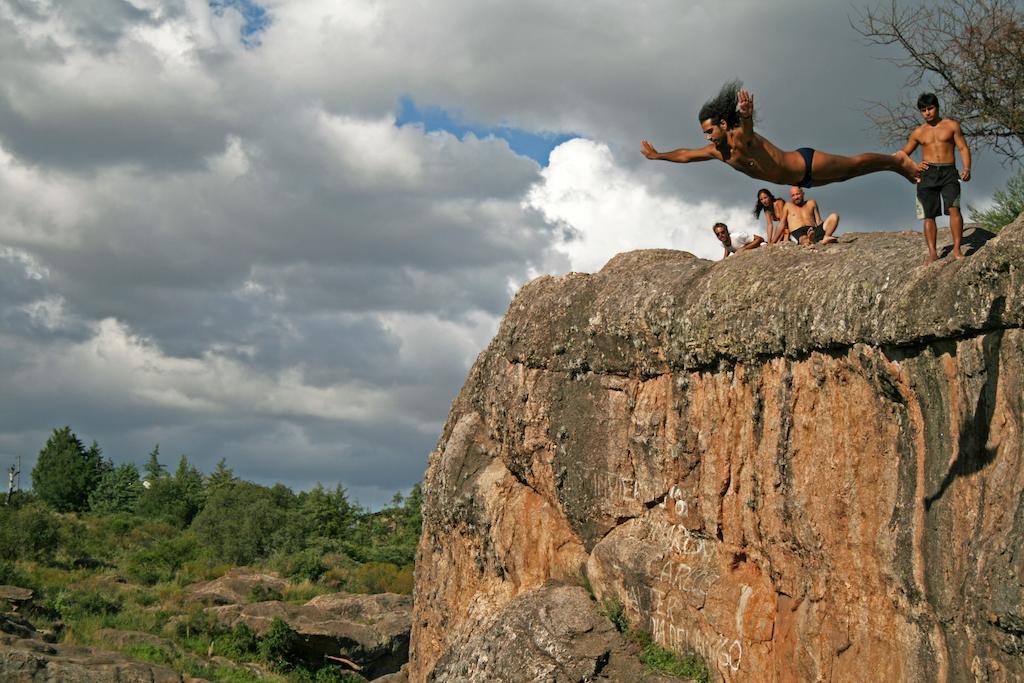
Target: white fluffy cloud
{"points": [[606, 209]]}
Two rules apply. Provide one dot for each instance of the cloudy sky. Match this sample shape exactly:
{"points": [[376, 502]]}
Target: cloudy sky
{"points": [[279, 231]]}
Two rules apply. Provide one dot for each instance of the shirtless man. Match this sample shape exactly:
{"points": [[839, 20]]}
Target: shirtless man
{"points": [[736, 242], [728, 125], [803, 217], [939, 186]]}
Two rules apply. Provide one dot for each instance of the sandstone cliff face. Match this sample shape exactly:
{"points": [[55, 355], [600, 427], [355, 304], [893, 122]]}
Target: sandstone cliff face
{"points": [[803, 463]]}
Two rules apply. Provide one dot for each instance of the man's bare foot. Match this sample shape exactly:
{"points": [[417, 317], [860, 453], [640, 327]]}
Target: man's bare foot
{"points": [[932, 258], [957, 254], [829, 239], [908, 169]]}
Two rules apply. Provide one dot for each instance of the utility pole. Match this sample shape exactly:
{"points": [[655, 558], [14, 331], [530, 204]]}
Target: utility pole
{"points": [[11, 474]]}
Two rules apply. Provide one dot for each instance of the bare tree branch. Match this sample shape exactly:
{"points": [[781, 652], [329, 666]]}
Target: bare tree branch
{"points": [[970, 53]]}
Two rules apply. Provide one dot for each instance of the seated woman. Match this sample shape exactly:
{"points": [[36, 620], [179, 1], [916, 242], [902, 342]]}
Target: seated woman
{"points": [[772, 207]]}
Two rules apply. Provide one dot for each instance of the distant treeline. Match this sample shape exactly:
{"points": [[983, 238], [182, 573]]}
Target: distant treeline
{"points": [[81, 502]]}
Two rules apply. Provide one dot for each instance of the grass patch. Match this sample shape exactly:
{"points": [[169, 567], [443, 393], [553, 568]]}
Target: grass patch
{"points": [[655, 658]]}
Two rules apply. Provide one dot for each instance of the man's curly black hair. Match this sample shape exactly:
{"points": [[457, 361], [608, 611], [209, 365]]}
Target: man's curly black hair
{"points": [[723, 106]]}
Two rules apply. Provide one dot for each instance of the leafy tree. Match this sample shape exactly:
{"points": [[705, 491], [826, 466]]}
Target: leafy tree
{"points": [[164, 500], [117, 491], [1009, 204], [221, 475], [190, 482], [327, 514], [153, 469], [970, 53], [242, 521], [66, 472]]}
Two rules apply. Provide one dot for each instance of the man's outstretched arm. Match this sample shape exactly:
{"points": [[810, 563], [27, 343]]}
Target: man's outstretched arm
{"points": [[679, 156]]}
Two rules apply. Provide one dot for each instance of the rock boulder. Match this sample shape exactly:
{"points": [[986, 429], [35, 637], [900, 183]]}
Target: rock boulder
{"points": [[802, 463]]}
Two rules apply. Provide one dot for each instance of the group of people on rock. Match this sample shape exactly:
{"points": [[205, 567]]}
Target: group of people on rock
{"points": [[727, 123]]}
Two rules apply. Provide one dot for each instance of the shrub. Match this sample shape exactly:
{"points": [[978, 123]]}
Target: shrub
{"points": [[161, 561], [306, 565], [10, 575], [277, 648], [1007, 205], [263, 593], [381, 577], [239, 644], [75, 603], [30, 532]]}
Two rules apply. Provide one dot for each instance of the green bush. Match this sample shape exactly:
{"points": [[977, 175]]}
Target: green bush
{"points": [[306, 565], [278, 647], [161, 561], [11, 575], [31, 532], [381, 577], [263, 593], [1007, 205], [75, 603], [239, 644]]}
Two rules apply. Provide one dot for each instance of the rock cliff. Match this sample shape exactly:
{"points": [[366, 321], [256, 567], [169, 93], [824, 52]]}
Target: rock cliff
{"points": [[801, 463]]}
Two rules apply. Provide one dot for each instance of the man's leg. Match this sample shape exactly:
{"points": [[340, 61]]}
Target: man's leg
{"points": [[832, 168], [956, 227], [929, 237], [830, 225]]}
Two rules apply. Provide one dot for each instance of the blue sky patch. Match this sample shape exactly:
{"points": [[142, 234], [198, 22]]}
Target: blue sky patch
{"points": [[526, 143], [256, 18]]}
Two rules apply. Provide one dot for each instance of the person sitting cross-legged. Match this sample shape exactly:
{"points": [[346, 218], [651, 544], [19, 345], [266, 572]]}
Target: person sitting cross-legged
{"points": [[803, 218]]}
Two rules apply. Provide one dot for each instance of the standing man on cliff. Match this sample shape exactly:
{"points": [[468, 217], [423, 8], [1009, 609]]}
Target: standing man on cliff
{"points": [[939, 186]]}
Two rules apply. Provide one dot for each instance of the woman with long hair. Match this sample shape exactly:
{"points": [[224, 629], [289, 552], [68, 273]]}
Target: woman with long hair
{"points": [[772, 208]]}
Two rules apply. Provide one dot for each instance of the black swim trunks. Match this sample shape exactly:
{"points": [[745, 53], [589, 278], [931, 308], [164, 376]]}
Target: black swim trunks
{"points": [[817, 232], [939, 188], [808, 154]]}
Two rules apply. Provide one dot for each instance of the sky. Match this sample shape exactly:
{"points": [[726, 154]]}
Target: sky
{"points": [[280, 232]]}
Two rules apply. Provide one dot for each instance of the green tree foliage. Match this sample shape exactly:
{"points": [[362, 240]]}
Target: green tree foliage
{"points": [[176, 500], [220, 476], [29, 532], [1008, 204], [162, 560], [278, 646], [153, 469], [242, 521], [66, 472], [327, 514], [117, 491]]}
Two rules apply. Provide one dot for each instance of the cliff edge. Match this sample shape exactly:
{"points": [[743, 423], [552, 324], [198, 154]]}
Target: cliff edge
{"points": [[801, 463]]}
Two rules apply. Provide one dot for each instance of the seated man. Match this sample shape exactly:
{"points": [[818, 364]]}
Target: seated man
{"points": [[736, 242], [803, 218]]}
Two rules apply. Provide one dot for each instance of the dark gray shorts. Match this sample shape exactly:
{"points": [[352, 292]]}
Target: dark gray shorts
{"points": [[939, 189]]}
